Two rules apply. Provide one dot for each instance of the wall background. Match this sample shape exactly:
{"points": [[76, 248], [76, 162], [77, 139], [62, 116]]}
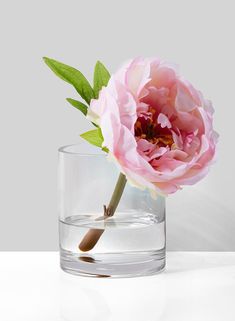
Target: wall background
{"points": [[36, 119]]}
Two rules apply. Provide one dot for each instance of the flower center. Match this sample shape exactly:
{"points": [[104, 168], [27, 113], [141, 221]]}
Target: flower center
{"points": [[146, 127]]}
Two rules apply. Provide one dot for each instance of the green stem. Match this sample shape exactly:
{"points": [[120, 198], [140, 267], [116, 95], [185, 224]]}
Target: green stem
{"points": [[116, 196]]}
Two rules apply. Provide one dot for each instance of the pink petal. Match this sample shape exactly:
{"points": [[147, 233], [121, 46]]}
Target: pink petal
{"points": [[163, 121], [162, 75], [158, 152], [185, 100], [137, 75]]}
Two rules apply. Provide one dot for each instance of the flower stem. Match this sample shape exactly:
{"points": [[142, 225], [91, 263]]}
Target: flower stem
{"points": [[93, 235], [117, 194]]}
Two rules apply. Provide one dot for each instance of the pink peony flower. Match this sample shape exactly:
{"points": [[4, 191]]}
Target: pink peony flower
{"points": [[156, 125]]}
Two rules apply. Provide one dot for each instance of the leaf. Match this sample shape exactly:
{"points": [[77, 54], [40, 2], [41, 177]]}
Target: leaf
{"points": [[105, 149], [94, 137], [77, 104], [101, 78], [73, 77], [80, 106]]}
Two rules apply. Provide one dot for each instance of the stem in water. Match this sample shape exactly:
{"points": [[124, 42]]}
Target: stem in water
{"points": [[93, 235]]}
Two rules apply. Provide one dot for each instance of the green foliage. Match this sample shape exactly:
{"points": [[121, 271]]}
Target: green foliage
{"points": [[77, 104], [94, 137], [73, 77], [101, 78], [82, 86]]}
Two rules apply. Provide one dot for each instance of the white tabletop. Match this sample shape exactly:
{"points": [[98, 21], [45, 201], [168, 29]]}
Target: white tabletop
{"points": [[196, 286]]}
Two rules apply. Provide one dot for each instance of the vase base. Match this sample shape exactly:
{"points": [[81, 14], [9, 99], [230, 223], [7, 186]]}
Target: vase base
{"points": [[113, 265]]}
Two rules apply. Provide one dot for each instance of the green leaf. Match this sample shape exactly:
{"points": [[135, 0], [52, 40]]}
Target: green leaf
{"points": [[94, 137], [73, 77], [101, 77], [105, 149], [80, 106], [77, 104]]}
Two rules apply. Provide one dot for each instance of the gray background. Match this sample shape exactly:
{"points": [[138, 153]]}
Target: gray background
{"points": [[36, 120]]}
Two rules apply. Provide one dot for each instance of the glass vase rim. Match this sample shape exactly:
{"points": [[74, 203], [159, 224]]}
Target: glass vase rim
{"points": [[81, 149]]}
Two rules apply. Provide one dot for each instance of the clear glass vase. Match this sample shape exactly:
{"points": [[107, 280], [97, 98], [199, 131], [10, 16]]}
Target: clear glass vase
{"points": [[130, 243]]}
